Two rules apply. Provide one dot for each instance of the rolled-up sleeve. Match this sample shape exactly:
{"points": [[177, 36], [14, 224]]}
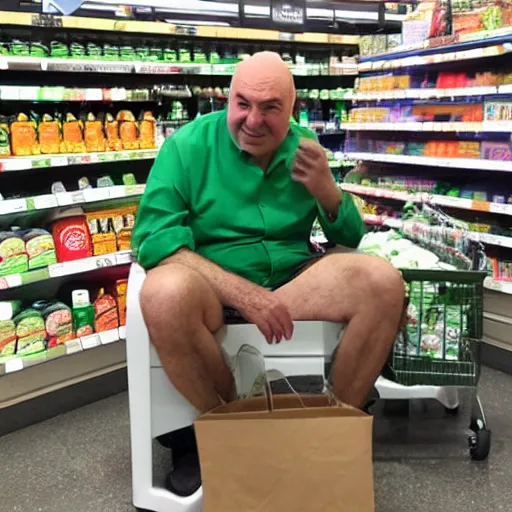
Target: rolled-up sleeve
{"points": [[161, 224], [348, 228]]}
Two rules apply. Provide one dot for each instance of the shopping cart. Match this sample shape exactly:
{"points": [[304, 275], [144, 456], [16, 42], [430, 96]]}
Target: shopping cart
{"points": [[440, 344]]}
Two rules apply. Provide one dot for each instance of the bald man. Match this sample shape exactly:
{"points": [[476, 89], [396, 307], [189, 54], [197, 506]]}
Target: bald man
{"points": [[225, 222]]}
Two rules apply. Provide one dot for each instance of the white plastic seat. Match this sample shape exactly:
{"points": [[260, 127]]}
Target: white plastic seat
{"points": [[156, 407]]}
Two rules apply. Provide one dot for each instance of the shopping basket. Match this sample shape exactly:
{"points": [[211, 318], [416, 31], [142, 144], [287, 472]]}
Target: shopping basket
{"points": [[440, 343]]}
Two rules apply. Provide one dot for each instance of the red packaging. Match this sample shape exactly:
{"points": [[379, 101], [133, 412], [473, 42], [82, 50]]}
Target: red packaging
{"points": [[72, 238], [105, 312]]}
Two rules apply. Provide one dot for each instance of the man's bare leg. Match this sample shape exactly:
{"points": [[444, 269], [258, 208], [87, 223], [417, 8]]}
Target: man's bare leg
{"points": [[368, 294], [182, 312]]}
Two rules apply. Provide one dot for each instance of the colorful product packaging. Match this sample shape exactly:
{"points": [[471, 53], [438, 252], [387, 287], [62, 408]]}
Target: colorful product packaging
{"points": [[31, 332], [71, 236], [111, 230], [120, 294], [105, 312], [13, 255]]}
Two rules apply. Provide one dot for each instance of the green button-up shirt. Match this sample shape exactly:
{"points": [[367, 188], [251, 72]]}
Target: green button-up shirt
{"points": [[206, 194]]}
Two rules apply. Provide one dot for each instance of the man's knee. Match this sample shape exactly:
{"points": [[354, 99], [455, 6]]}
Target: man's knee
{"points": [[175, 294], [384, 283]]}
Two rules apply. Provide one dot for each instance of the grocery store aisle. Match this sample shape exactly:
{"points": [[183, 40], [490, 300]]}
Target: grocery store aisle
{"points": [[80, 461]]}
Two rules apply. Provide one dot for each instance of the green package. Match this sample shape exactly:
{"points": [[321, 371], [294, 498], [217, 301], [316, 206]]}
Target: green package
{"points": [[30, 331]]}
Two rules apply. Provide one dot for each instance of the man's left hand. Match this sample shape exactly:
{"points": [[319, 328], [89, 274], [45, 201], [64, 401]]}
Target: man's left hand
{"points": [[311, 168]]}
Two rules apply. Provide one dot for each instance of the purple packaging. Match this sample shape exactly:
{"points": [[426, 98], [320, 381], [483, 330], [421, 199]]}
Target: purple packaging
{"points": [[496, 151]]}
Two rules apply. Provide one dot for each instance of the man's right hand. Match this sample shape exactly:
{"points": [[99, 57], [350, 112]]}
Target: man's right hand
{"points": [[262, 308]]}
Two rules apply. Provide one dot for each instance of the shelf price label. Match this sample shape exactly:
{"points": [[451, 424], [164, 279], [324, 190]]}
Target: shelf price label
{"points": [[481, 206], [73, 346], [90, 341], [13, 206], [14, 365]]}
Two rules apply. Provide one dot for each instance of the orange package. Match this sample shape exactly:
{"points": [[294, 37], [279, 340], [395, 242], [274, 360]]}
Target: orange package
{"points": [[112, 130], [50, 137], [111, 230], [24, 137], [105, 312], [121, 291], [128, 130], [147, 131], [72, 135], [93, 134]]}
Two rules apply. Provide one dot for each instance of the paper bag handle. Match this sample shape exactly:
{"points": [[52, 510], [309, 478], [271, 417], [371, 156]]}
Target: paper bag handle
{"points": [[272, 375]]}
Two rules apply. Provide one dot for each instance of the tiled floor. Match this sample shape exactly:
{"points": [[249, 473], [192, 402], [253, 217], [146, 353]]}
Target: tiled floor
{"points": [[80, 461]]}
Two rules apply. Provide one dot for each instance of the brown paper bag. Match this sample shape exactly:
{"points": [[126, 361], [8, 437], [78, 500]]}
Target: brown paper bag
{"points": [[309, 454]]}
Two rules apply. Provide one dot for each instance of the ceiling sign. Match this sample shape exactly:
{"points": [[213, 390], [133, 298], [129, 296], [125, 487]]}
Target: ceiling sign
{"points": [[289, 14]]}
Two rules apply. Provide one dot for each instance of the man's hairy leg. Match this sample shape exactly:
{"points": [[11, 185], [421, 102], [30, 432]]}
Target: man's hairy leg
{"points": [[368, 294], [182, 312]]}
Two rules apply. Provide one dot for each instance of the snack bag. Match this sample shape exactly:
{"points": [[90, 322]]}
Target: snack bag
{"points": [[40, 248], [30, 331], [5, 146], [105, 312], [128, 129], [72, 238], [93, 134], [49, 135], [72, 135], [7, 338], [112, 130], [147, 131], [24, 136], [58, 323], [13, 255]]}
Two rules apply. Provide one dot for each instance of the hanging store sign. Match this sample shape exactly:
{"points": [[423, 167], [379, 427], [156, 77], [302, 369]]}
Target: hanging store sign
{"points": [[289, 13]]}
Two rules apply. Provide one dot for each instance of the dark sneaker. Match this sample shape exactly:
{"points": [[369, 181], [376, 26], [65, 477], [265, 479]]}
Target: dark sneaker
{"points": [[185, 478]]}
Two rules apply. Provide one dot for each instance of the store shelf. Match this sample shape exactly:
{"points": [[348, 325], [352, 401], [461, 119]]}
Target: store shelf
{"points": [[382, 220], [16, 364], [437, 58], [22, 163], [425, 94], [75, 198], [498, 286], [55, 94], [67, 268], [455, 163], [338, 164], [472, 44], [490, 239], [423, 197], [399, 126], [168, 29], [140, 67]]}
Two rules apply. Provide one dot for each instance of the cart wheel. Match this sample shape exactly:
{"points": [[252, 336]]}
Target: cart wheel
{"points": [[452, 412], [397, 408], [480, 444]]}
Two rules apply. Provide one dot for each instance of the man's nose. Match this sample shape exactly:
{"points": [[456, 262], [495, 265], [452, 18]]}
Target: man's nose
{"points": [[254, 119]]}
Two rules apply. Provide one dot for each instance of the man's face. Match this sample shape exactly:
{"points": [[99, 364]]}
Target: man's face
{"points": [[259, 115]]}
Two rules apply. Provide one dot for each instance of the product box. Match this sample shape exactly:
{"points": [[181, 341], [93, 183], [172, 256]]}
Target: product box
{"points": [[497, 151]]}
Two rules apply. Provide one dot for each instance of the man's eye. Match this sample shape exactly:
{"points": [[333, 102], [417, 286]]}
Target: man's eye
{"points": [[243, 105], [270, 108]]}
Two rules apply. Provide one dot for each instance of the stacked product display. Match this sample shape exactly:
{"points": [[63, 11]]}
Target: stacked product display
{"points": [[28, 329], [420, 128]]}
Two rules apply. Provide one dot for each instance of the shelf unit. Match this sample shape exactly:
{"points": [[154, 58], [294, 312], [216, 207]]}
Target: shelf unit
{"points": [[46, 84], [393, 170]]}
